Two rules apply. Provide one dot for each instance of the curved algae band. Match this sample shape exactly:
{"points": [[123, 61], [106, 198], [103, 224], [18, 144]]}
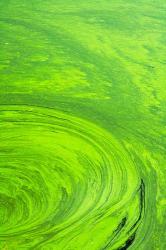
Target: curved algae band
{"points": [[64, 182]]}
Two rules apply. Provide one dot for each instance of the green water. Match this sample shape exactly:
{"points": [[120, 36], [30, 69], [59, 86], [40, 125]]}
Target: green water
{"points": [[82, 125]]}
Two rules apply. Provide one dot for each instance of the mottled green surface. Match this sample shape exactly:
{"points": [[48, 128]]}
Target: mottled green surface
{"points": [[82, 105]]}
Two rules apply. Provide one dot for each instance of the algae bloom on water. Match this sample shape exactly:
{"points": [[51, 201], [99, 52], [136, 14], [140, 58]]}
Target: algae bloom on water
{"points": [[82, 125]]}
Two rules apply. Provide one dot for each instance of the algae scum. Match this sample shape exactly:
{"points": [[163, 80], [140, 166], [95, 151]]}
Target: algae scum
{"points": [[82, 103]]}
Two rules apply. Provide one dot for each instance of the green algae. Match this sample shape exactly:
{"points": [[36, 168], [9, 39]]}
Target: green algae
{"points": [[82, 108]]}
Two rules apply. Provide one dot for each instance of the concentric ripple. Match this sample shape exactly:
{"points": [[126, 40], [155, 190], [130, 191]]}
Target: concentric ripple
{"points": [[65, 182]]}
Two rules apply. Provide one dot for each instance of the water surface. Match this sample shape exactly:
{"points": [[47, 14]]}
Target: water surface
{"points": [[82, 105]]}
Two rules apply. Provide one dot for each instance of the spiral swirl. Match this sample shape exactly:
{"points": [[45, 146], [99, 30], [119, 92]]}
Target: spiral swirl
{"points": [[64, 181]]}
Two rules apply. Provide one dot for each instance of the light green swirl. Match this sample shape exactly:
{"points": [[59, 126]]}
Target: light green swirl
{"points": [[65, 182]]}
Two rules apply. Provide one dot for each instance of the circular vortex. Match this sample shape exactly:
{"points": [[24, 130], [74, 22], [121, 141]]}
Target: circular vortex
{"points": [[64, 182]]}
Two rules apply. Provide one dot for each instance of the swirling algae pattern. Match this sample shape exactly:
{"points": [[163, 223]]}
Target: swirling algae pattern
{"points": [[69, 177], [82, 125]]}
